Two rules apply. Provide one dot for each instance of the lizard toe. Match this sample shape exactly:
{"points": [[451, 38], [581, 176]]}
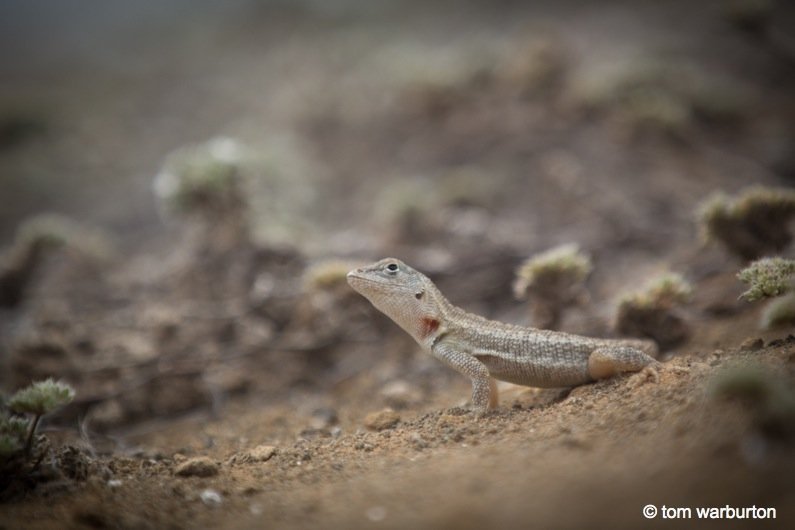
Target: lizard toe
{"points": [[650, 372]]}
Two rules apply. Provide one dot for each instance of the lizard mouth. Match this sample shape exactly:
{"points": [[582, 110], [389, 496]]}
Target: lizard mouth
{"points": [[357, 278]]}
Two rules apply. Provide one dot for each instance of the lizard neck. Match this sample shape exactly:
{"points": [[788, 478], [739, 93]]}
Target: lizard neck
{"points": [[431, 316]]}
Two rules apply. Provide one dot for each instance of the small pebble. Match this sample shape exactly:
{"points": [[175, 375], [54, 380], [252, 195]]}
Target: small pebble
{"points": [[401, 394], [114, 483], [752, 344], [197, 467], [261, 453], [383, 419], [211, 497]]}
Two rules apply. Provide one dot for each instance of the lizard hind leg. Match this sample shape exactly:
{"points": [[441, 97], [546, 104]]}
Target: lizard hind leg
{"points": [[609, 361], [494, 394]]}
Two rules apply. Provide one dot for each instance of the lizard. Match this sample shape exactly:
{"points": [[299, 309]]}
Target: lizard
{"points": [[485, 350]]}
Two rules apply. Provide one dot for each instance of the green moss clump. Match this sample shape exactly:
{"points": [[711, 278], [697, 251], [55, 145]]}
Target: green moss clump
{"points": [[767, 278], [651, 312], [751, 224], [553, 280]]}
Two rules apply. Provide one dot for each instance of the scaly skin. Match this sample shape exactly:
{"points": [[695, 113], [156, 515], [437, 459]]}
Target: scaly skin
{"points": [[484, 349]]}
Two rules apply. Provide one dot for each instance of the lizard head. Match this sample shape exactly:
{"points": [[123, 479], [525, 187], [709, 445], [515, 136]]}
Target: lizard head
{"points": [[402, 293]]}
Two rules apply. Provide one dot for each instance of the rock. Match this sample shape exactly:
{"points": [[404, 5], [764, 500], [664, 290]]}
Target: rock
{"points": [[752, 344], [211, 497], [401, 394], [383, 419], [197, 467], [261, 453]]}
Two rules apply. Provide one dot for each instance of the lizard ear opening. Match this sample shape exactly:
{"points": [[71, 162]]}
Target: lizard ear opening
{"points": [[419, 295]]}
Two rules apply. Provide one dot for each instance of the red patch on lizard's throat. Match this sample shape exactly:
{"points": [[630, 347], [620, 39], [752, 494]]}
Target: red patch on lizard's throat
{"points": [[428, 325]]}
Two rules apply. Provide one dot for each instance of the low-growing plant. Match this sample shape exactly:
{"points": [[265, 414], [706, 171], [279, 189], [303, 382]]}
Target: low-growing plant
{"points": [[553, 280], [779, 312], [651, 311], [751, 224], [768, 394], [656, 94], [768, 278], [19, 421], [36, 236], [58, 230], [13, 434], [771, 278], [202, 179], [204, 185], [405, 208], [232, 195]]}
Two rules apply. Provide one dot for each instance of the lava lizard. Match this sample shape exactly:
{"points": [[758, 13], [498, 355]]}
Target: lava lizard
{"points": [[484, 349]]}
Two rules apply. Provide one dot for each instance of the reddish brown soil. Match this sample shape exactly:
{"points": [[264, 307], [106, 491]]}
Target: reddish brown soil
{"points": [[460, 139]]}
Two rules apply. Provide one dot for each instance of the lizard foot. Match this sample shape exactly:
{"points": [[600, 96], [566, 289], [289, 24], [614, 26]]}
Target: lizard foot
{"points": [[650, 372], [483, 413]]}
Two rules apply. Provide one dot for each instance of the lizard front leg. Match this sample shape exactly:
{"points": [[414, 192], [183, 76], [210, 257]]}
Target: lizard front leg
{"points": [[484, 389]]}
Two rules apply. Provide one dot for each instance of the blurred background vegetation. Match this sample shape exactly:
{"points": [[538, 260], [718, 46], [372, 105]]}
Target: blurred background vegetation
{"points": [[499, 105], [218, 166]]}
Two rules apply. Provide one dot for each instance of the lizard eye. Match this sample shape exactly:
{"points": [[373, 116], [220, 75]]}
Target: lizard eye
{"points": [[392, 267]]}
